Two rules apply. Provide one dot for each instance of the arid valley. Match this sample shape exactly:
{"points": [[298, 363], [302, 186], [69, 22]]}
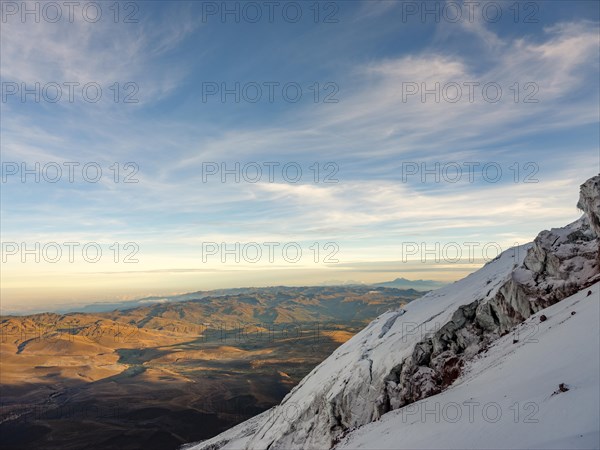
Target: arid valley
{"points": [[161, 375]]}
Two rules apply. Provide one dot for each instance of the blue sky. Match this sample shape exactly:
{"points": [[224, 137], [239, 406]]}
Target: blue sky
{"points": [[365, 58]]}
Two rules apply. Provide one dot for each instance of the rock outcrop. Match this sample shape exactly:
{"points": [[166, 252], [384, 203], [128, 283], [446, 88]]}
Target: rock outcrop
{"points": [[589, 202], [560, 263]]}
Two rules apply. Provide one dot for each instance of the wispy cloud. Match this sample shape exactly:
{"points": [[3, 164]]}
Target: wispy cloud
{"points": [[369, 134]]}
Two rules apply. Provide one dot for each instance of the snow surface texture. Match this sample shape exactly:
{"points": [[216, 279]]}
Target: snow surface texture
{"points": [[509, 396], [405, 356], [347, 384]]}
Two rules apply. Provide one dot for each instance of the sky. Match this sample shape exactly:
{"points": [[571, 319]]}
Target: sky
{"points": [[154, 148]]}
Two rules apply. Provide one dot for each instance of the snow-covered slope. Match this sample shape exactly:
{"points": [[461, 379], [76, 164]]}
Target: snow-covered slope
{"points": [[408, 355], [509, 396], [349, 375]]}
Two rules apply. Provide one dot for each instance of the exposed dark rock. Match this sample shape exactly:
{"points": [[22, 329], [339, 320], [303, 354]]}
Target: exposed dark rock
{"points": [[562, 387]]}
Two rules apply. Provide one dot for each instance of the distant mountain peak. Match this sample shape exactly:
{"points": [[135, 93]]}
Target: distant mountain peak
{"points": [[418, 285]]}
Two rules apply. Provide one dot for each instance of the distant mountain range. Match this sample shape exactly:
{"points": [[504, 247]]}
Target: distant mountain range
{"points": [[98, 307], [147, 301], [418, 285]]}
